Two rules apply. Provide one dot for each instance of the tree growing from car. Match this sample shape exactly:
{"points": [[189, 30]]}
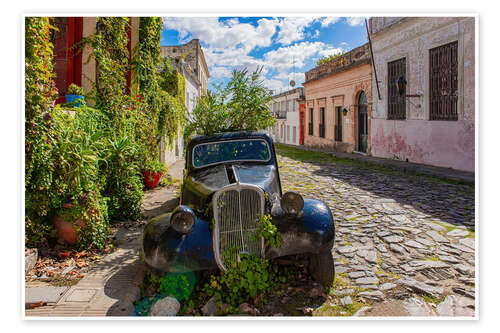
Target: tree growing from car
{"points": [[240, 105]]}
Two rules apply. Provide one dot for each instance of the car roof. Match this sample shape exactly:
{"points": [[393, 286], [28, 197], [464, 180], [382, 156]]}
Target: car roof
{"points": [[229, 136]]}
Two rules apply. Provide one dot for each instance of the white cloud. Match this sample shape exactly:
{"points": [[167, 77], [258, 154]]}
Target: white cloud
{"points": [[219, 72], [276, 86], [227, 45], [291, 29], [354, 21], [282, 58], [298, 77], [217, 34], [326, 21]]}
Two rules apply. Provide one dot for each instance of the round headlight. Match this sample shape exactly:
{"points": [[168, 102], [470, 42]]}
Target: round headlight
{"points": [[182, 221], [292, 202]]}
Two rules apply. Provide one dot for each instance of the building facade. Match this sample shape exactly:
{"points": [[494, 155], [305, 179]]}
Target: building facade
{"points": [[431, 121], [192, 55], [285, 107], [72, 66], [190, 62], [338, 97]]}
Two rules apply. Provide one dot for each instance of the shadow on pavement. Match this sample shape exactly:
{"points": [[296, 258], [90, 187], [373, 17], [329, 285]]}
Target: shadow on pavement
{"points": [[451, 202]]}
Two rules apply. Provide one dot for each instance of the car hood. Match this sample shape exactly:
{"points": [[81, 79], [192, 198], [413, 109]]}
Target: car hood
{"points": [[213, 179]]}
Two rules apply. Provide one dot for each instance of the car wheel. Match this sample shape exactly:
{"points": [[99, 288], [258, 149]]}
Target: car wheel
{"points": [[322, 268]]}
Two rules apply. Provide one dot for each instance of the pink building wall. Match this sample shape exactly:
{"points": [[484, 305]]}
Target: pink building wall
{"points": [[338, 84], [418, 139]]}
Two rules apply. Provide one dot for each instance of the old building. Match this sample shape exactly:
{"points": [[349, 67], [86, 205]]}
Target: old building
{"points": [[190, 62], [431, 120], [72, 66], [285, 107], [338, 103], [192, 55]]}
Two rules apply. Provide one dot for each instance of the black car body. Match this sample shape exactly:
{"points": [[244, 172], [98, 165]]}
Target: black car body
{"points": [[237, 173]]}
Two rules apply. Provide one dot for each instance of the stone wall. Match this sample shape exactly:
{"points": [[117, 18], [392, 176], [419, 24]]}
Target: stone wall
{"points": [[418, 139]]}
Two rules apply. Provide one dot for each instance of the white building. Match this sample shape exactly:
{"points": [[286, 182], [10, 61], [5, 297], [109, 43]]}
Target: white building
{"points": [[285, 107]]}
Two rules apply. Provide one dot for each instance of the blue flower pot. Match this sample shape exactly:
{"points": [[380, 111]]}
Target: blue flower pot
{"points": [[74, 100]]}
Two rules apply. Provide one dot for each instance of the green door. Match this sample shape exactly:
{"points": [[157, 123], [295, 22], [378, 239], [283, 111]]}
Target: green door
{"points": [[362, 123]]}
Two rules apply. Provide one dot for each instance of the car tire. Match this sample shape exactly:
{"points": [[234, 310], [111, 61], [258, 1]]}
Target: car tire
{"points": [[322, 268]]}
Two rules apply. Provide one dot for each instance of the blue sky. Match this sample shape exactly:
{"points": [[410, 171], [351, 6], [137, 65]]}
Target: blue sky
{"points": [[272, 42]]}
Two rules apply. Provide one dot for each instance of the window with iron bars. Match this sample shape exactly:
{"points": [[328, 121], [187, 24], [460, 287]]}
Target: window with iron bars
{"points": [[338, 127], [322, 123], [311, 121], [396, 103], [443, 82]]}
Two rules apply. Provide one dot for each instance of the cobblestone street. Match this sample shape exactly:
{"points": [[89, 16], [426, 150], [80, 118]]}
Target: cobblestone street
{"points": [[404, 242]]}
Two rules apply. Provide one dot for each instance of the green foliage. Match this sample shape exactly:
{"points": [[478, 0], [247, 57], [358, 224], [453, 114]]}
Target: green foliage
{"points": [[93, 159], [240, 105], [155, 166], [173, 102], [326, 59], [71, 175], [245, 280], [109, 48], [40, 94], [177, 285], [269, 231], [74, 89], [162, 90], [146, 64]]}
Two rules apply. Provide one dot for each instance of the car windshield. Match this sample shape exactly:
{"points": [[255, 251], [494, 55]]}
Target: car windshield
{"points": [[228, 151]]}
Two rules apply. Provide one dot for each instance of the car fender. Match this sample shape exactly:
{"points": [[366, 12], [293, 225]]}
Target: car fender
{"points": [[311, 231], [166, 249]]}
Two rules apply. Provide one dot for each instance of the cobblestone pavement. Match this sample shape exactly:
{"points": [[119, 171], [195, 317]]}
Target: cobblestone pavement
{"points": [[404, 244]]}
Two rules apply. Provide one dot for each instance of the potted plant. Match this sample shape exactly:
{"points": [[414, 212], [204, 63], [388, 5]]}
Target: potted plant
{"points": [[67, 222], [152, 173], [74, 96]]}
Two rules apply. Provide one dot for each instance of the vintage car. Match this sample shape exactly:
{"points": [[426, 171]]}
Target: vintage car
{"points": [[230, 181]]}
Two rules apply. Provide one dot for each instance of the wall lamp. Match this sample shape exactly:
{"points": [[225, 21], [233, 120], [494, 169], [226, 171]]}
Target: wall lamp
{"points": [[401, 84]]}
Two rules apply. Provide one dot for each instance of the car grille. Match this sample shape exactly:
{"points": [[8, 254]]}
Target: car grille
{"points": [[237, 209]]}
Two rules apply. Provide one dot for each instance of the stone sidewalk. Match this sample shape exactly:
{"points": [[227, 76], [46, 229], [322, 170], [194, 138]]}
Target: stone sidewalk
{"points": [[112, 286], [448, 173]]}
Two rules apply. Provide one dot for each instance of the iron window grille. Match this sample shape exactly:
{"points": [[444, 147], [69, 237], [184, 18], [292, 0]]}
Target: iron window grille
{"points": [[322, 123], [338, 127], [443, 79], [396, 102], [311, 121]]}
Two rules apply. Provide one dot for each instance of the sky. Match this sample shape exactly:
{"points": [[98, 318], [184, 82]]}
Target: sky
{"points": [[286, 47]]}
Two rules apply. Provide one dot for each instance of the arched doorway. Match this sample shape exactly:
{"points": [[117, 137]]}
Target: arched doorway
{"points": [[362, 122]]}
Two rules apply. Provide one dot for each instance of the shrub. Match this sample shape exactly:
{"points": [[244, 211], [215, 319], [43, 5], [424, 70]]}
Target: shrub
{"points": [[73, 89], [238, 106], [123, 180]]}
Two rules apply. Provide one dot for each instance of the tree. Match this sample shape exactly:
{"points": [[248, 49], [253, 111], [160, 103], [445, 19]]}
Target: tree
{"points": [[241, 105]]}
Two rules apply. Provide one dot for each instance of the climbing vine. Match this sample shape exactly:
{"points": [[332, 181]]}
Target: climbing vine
{"points": [[40, 94], [146, 65], [269, 231], [173, 96]]}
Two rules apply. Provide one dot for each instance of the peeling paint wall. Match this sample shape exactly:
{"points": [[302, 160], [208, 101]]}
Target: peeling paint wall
{"points": [[418, 139]]}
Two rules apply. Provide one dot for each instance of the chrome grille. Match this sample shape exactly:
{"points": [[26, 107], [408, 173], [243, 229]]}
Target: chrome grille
{"points": [[237, 208]]}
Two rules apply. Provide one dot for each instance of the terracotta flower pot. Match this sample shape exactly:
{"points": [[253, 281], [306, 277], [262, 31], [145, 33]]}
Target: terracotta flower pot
{"points": [[66, 231], [151, 179]]}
